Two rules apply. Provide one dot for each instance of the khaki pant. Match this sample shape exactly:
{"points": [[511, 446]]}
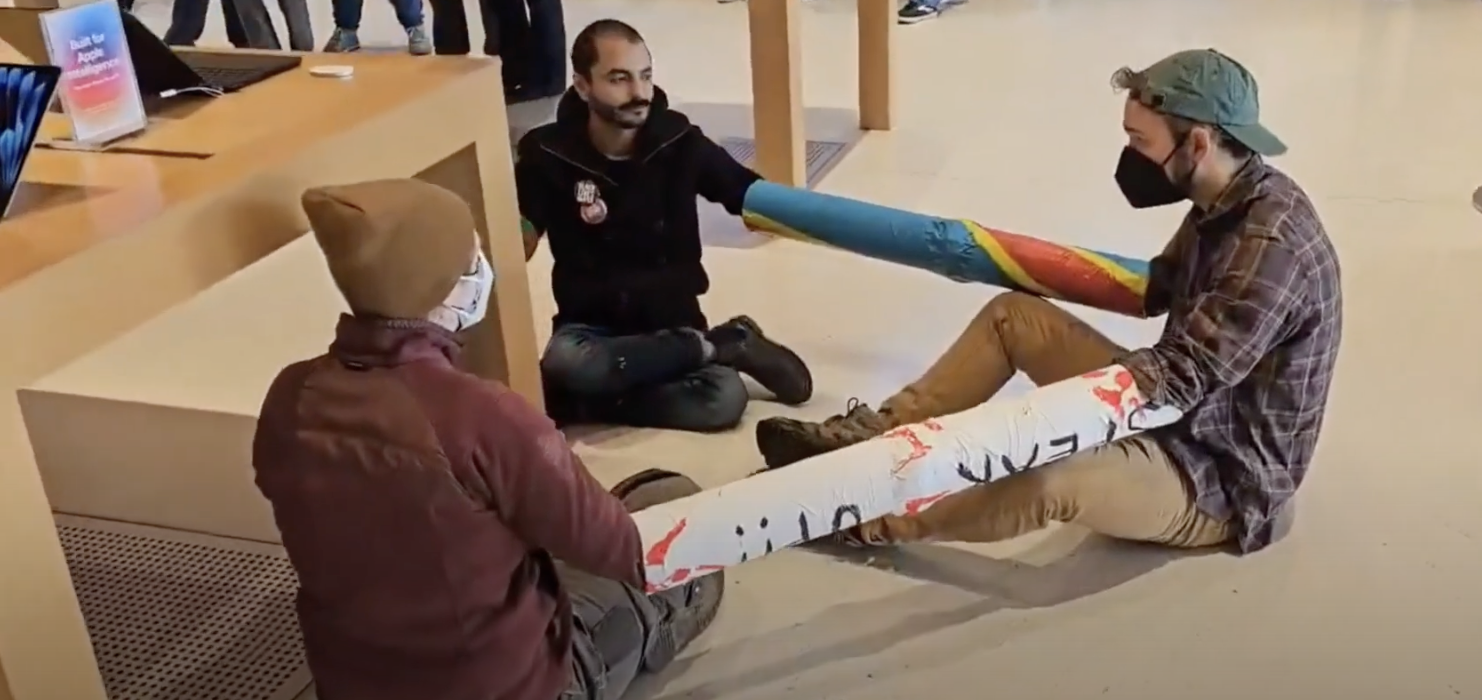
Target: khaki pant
{"points": [[1128, 489]]}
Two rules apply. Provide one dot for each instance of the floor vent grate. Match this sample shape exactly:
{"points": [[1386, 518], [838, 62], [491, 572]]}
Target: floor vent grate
{"points": [[177, 616], [821, 156]]}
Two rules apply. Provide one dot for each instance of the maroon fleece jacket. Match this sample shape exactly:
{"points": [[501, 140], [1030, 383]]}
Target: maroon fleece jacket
{"points": [[423, 509]]}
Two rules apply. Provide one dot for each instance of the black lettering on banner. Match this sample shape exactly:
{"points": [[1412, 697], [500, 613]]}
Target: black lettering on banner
{"points": [[1010, 467], [1135, 419], [803, 526], [1071, 444], [740, 533], [1111, 431], [763, 525], [850, 511], [965, 470]]}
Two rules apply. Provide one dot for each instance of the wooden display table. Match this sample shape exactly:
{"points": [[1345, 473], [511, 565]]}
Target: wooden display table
{"points": [[100, 243], [777, 81]]}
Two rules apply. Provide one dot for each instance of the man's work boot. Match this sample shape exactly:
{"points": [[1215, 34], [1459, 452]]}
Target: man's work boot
{"points": [[684, 612], [740, 343], [783, 441]]}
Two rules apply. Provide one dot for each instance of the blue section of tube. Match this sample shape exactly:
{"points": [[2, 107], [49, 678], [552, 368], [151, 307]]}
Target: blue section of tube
{"points": [[943, 246], [930, 243]]}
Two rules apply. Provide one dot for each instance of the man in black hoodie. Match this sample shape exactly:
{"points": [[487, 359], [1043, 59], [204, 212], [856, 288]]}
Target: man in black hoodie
{"points": [[613, 183]]}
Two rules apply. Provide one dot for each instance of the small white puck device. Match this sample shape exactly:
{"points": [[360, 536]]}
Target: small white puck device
{"points": [[332, 71]]}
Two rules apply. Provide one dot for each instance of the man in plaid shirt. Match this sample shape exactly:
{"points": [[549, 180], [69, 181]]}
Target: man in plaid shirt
{"points": [[1250, 284]]}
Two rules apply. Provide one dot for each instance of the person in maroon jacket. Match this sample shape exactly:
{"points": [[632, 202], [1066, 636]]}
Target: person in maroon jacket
{"points": [[449, 545]]}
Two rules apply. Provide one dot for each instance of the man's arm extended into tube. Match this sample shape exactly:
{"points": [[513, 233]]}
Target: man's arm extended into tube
{"points": [[534, 207], [1161, 273], [1232, 323], [544, 493], [721, 179]]}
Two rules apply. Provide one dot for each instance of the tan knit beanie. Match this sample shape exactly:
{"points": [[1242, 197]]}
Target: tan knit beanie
{"points": [[395, 248]]}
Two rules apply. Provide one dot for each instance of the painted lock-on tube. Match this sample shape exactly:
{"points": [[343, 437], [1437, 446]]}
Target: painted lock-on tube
{"points": [[959, 249], [904, 471]]}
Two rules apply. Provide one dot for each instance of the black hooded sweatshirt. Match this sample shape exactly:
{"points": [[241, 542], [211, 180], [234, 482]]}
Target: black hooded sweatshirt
{"points": [[625, 234]]}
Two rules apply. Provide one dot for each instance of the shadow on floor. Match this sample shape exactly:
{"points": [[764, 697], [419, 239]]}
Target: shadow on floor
{"points": [[1098, 564]]}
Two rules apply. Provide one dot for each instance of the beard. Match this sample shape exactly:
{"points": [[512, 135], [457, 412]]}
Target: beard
{"points": [[629, 115], [1182, 172]]}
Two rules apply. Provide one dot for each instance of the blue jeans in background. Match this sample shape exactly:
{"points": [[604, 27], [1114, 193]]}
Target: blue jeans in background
{"points": [[347, 13], [654, 380]]}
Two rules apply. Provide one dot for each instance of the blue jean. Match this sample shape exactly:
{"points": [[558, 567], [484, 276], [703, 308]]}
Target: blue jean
{"points": [[347, 13], [655, 380]]}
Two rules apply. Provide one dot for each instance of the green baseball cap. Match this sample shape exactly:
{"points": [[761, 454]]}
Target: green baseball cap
{"points": [[1205, 86]]}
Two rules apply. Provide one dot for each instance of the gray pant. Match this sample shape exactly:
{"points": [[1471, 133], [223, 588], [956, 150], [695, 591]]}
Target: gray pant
{"points": [[300, 29], [620, 631], [615, 624], [248, 24]]}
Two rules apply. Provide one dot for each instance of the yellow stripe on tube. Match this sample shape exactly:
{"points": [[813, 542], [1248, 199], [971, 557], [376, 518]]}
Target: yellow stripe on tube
{"points": [[1001, 257], [757, 222], [1127, 278]]}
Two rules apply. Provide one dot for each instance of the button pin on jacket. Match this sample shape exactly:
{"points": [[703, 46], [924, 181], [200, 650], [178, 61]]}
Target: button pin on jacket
{"points": [[586, 192], [593, 209]]}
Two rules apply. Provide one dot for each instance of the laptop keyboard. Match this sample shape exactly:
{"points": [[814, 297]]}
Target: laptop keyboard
{"points": [[230, 71], [228, 79]]}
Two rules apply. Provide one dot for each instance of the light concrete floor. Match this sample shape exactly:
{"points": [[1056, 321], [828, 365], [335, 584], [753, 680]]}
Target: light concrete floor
{"points": [[1007, 117]]}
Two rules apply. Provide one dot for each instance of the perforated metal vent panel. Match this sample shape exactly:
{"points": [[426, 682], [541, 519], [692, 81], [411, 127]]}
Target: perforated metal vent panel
{"points": [[178, 616], [821, 156]]}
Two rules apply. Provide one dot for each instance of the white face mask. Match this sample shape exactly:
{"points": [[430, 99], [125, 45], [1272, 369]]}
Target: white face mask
{"points": [[469, 301]]}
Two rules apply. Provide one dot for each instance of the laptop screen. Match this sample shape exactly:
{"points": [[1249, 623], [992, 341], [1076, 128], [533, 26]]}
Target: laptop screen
{"points": [[25, 92], [156, 67]]}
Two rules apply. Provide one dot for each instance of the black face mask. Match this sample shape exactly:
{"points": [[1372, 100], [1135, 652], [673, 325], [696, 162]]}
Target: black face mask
{"points": [[1144, 182]]}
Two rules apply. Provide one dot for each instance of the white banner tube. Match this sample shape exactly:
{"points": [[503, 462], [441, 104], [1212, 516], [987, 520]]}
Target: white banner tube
{"points": [[903, 472]]}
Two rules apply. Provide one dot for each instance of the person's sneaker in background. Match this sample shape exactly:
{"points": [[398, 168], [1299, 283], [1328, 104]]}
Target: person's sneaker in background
{"points": [[915, 12], [418, 42], [342, 41], [739, 343]]}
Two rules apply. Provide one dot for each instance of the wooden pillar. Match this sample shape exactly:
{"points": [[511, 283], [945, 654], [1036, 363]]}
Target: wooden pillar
{"points": [[20, 32], [876, 64], [777, 90]]}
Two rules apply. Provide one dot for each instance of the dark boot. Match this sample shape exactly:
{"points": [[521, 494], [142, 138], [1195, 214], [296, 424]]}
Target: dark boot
{"points": [[686, 611], [651, 487], [566, 409], [740, 343], [783, 441]]}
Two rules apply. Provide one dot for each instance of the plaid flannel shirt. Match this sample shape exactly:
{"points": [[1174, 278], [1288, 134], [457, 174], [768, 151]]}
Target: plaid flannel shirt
{"points": [[1255, 314]]}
